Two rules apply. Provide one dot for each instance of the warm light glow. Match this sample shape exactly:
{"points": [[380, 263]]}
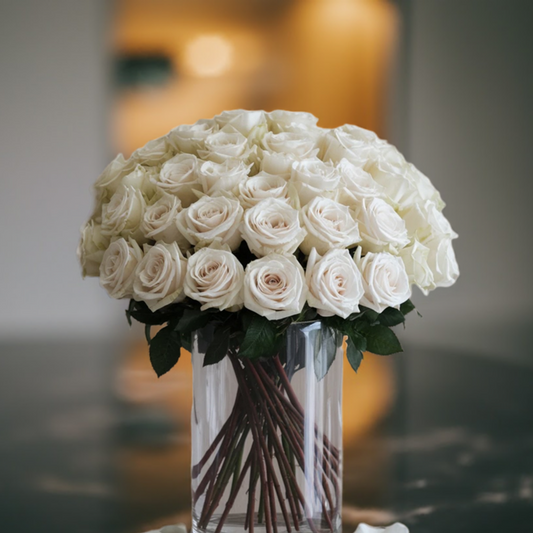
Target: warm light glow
{"points": [[208, 56]]}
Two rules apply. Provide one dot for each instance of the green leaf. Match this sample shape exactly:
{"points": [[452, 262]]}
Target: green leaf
{"points": [[165, 350], [193, 319], [369, 315], [382, 341], [358, 340], [354, 355], [218, 348], [391, 317], [260, 339], [407, 307], [326, 351]]}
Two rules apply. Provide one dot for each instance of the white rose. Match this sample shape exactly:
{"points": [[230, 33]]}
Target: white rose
{"points": [[277, 164], [123, 214], [91, 248], [328, 225], [382, 229], [415, 259], [221, 146], [159, 276], [224, 177], [263, 186], [272, 226], [117, 270], [141, 178], [423, 185], [159, 221], [355, 184], [274, 286], [215, 278], [402, 183], [424, 220], [245, 122], [178, 176], [189, 138], [154, 152], [280, 121], [212, 220], [312, 178], [355, 144], [111, 178], [442, 261], [385, 280], [334, 282], [299, 145]]}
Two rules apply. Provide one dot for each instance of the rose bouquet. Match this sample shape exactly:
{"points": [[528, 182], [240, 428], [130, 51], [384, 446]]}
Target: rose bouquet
{"points": [[247, 224]]}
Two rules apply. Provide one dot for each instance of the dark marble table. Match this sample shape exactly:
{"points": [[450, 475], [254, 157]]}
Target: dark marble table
{"points": [[79, 455]]}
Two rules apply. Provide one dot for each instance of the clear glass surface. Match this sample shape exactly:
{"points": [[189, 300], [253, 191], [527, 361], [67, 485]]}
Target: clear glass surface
{"points": [[267, 437]]}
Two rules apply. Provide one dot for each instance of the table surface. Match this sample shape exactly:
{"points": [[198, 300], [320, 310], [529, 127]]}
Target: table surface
{"points": [[80, 455]]}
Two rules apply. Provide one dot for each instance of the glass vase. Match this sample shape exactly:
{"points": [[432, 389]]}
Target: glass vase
{"points": [[267, 436]]}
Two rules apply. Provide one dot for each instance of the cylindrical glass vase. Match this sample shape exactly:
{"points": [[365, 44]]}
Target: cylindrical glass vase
{"points": [[267, 437]]}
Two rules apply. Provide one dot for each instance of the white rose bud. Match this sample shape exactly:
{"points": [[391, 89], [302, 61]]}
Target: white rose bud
{"points": [[281, 121], [355, 184], [334, 282], [263, 186], [385, 280], [225, 177], [154, 152], [312, 178], [215, 278], [272, 226], [91, 249], [111, 178], [355, 144], [179, 176], [442, 261], [423, 185], [274, 286], [415, 259], [117, 270], [245, 122], [123, 214], [159, 276], [189, 138], [221, 146], [328, 225], [382, 229], [159, 221], [212, 220]]}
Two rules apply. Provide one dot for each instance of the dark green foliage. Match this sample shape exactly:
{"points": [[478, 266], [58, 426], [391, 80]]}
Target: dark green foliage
{"points": [[246, 334]]}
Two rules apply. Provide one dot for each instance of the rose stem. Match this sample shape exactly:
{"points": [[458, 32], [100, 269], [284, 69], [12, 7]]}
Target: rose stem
{"points": [[287, 386], [234, 492], [254, 475], [225, 474], [272, 496], [195, 472], [254, 424], [210, 475], [271, 474], [300, 456], [266, 397]]}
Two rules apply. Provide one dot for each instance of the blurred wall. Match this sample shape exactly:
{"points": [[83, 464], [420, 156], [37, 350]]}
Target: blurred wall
{"points": [[54, 108], [466, 120]]}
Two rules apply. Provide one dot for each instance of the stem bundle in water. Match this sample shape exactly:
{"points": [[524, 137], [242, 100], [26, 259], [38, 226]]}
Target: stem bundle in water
{"points": [[265, 442]]}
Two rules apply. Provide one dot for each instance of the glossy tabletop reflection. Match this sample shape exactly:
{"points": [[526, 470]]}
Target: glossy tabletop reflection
{"points": [[90, 444]]}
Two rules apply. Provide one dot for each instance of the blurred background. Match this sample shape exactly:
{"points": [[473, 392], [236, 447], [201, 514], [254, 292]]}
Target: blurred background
{"points": [[91, 440]]}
